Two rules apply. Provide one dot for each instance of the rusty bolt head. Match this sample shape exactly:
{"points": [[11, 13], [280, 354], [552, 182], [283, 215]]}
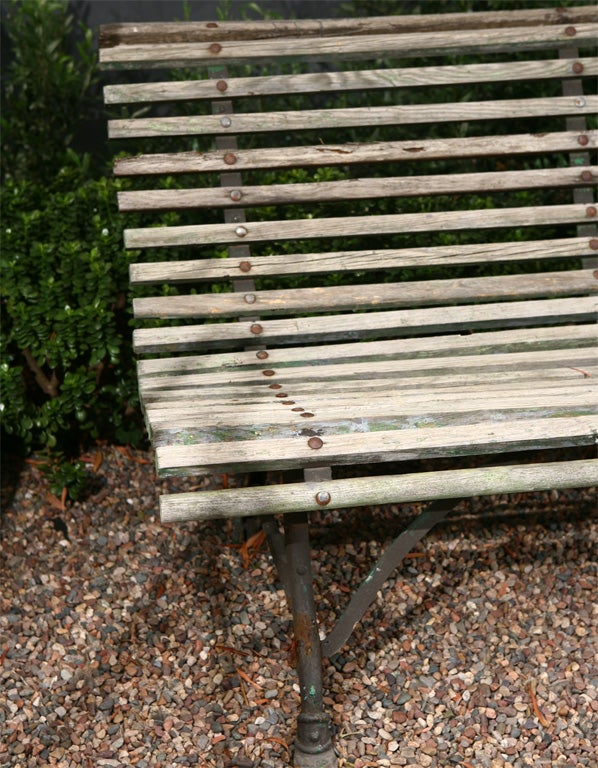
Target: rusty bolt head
{"points": [[323, 498], [229, 158], [307, 415], [580, 102], [256, 328], [583, 140], [211, 24], [275, 386], [586, 176], [236, 195], [240, 231], [226, 122], [262, 355], [250, 298], [570, 31], [222, 85], [288, 402], [577, 67], [298, 409], [315, 443], [269, 373], [281, 394], [595, 273], [591, 211], [245, 266], [594, 244], [215, 48]]}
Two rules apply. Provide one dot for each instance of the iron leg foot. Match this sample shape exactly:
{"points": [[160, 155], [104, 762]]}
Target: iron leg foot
{"points": [[326, 759]]}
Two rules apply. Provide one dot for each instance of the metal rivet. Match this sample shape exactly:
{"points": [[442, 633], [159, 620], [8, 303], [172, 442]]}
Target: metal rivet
{"points": [[211, 24], [249, 298], [229, 158], [281, 394], [591, 211], [240, 231], [307, 415], [215, 48], [298, 409], [236, 218], [323, 498], [222, 85], [586, 176], [269, 373], [226, 122], [275, 386], [301, 570], [314, 736], [570, 31], [236, 195], [262, 355], [595, 273], [245, 266], [288, 402], [315, 443], [582, 140], [594, 244], [577, 67], [256, 328], [579, 102]]}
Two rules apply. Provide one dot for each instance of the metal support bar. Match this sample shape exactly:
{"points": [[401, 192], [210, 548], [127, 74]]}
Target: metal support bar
{"points": [[313, 745], [392, 557]]}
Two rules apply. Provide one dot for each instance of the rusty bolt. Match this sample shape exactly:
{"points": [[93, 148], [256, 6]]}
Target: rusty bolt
{"points": [[315, 443], [288, 402], [256, 328], [275, 386], [226, 122], [222, 85], [579, 102], [307, 415], [570, 31], [323, 498], [236, 195], [591, 211], [262, 355], [245, 266], [215, 48], [594, 244], [582, 140], [269, 373], [211, 24], [595, 273], [240, 231], [250, 298], [229, 158], [586, 176], [281, 394], [577, 67], [298, 409]]}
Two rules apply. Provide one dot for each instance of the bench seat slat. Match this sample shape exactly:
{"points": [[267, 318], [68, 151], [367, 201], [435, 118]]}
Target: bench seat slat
{"points": [[377, 296], [351, 117], [343, 154], [160, 55], [255, 231], [353, 189], [381, 489], [346, 81], [396, 445], [202, 270], [308, 330]]}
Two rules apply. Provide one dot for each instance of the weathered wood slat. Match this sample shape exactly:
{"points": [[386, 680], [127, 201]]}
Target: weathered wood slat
{"points": [[383, 489], [353, 189], [203, 270], [302, 375], [148, 237], [160, 55], [112, 35], [307, 330], [350, 117], [407, 77], [397, 445], [456, 346], [343, 154], [377, 296]]}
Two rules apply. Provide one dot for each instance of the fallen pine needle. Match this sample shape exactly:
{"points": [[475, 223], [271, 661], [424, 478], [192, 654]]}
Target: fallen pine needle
{"points": [[278, 741], [531, 688], [249, 680], [244, 692], [229, 649]]}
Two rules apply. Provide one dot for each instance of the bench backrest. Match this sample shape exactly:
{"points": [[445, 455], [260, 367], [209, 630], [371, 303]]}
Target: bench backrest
{"points": [[319, 181]]}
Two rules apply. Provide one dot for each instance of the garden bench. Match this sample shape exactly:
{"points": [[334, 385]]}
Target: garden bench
{"points": [[379, 248]]}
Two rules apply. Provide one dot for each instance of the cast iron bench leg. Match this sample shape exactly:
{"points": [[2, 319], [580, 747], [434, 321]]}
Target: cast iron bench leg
{"points": [[313, 745]]}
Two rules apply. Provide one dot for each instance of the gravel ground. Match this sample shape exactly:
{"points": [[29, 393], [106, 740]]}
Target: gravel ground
{"points": [[124, 642]]}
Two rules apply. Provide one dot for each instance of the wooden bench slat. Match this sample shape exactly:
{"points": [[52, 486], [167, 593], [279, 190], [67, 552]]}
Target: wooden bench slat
{"points": [[350, 117], [112, 35], [375, 296], [300, 229], [347, 81], [353, 189], [308, 330], [396, 445], [346, 494], [353, 153], [160, 55], [202, 270], [486, 342]]}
